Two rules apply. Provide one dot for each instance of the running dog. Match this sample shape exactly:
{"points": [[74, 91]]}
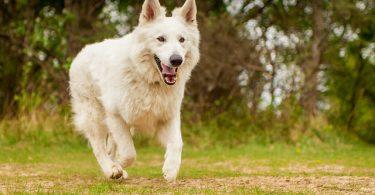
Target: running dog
{"points": [[136, 84]]}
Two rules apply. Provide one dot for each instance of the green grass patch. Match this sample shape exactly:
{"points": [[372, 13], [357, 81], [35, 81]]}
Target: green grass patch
{"points": [[63, 168], [42, 153]]}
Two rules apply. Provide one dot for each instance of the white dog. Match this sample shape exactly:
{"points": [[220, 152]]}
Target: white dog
{"points": [[136, 83]]}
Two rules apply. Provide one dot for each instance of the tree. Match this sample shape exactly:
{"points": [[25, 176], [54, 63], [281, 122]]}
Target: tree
{"points": [[312, 63]]}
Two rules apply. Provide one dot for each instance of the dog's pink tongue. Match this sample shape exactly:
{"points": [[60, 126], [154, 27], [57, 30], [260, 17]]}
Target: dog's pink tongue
{"points": [[168, 70]]}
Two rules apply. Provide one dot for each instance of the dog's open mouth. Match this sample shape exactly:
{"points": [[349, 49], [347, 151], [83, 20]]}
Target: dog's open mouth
{"points": [[169, 74]]}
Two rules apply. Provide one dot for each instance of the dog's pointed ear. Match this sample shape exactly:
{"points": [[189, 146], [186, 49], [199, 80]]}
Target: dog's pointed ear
{"points": [[188, 12], [151, 10]]}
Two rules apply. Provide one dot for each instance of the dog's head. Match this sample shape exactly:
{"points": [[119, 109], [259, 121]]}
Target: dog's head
{"points": [[172, 43]]}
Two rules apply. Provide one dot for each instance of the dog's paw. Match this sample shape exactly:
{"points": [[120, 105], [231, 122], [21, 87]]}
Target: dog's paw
{"points": [[114, 171], [170, 170]]}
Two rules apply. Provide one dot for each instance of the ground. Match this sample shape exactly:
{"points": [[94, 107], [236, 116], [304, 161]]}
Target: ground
{"points": [[255, 168]]}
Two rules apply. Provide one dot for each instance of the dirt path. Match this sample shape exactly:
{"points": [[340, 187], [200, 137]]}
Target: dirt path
{"points": [[47, 177], [296, 184]]}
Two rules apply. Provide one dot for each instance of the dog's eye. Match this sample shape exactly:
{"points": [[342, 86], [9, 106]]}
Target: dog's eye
{"points": [[182, 39], [161, 39]]}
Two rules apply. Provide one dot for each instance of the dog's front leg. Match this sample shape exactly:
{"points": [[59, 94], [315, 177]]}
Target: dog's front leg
{"points": [[170, 137], [123, 139]]}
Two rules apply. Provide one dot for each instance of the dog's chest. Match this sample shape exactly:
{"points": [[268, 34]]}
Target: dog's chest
{"points": [[145, 107]]}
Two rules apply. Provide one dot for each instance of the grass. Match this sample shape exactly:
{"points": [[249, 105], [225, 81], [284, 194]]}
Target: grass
{"points": [[41, 153], [252, 168]]}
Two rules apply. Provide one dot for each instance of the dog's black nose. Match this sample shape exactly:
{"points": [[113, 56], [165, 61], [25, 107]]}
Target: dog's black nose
{"points": [[176, 60]]}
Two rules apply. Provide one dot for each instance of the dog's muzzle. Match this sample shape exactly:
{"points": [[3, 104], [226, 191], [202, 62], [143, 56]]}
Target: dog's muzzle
{"points": [[169, 74]]}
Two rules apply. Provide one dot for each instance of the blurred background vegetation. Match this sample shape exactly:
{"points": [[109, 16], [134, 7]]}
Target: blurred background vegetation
{"points": [[289, 71]]}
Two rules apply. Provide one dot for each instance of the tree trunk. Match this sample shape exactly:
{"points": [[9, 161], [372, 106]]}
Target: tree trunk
{"points": [[356, 93], [310, 67], [256, 85]]}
